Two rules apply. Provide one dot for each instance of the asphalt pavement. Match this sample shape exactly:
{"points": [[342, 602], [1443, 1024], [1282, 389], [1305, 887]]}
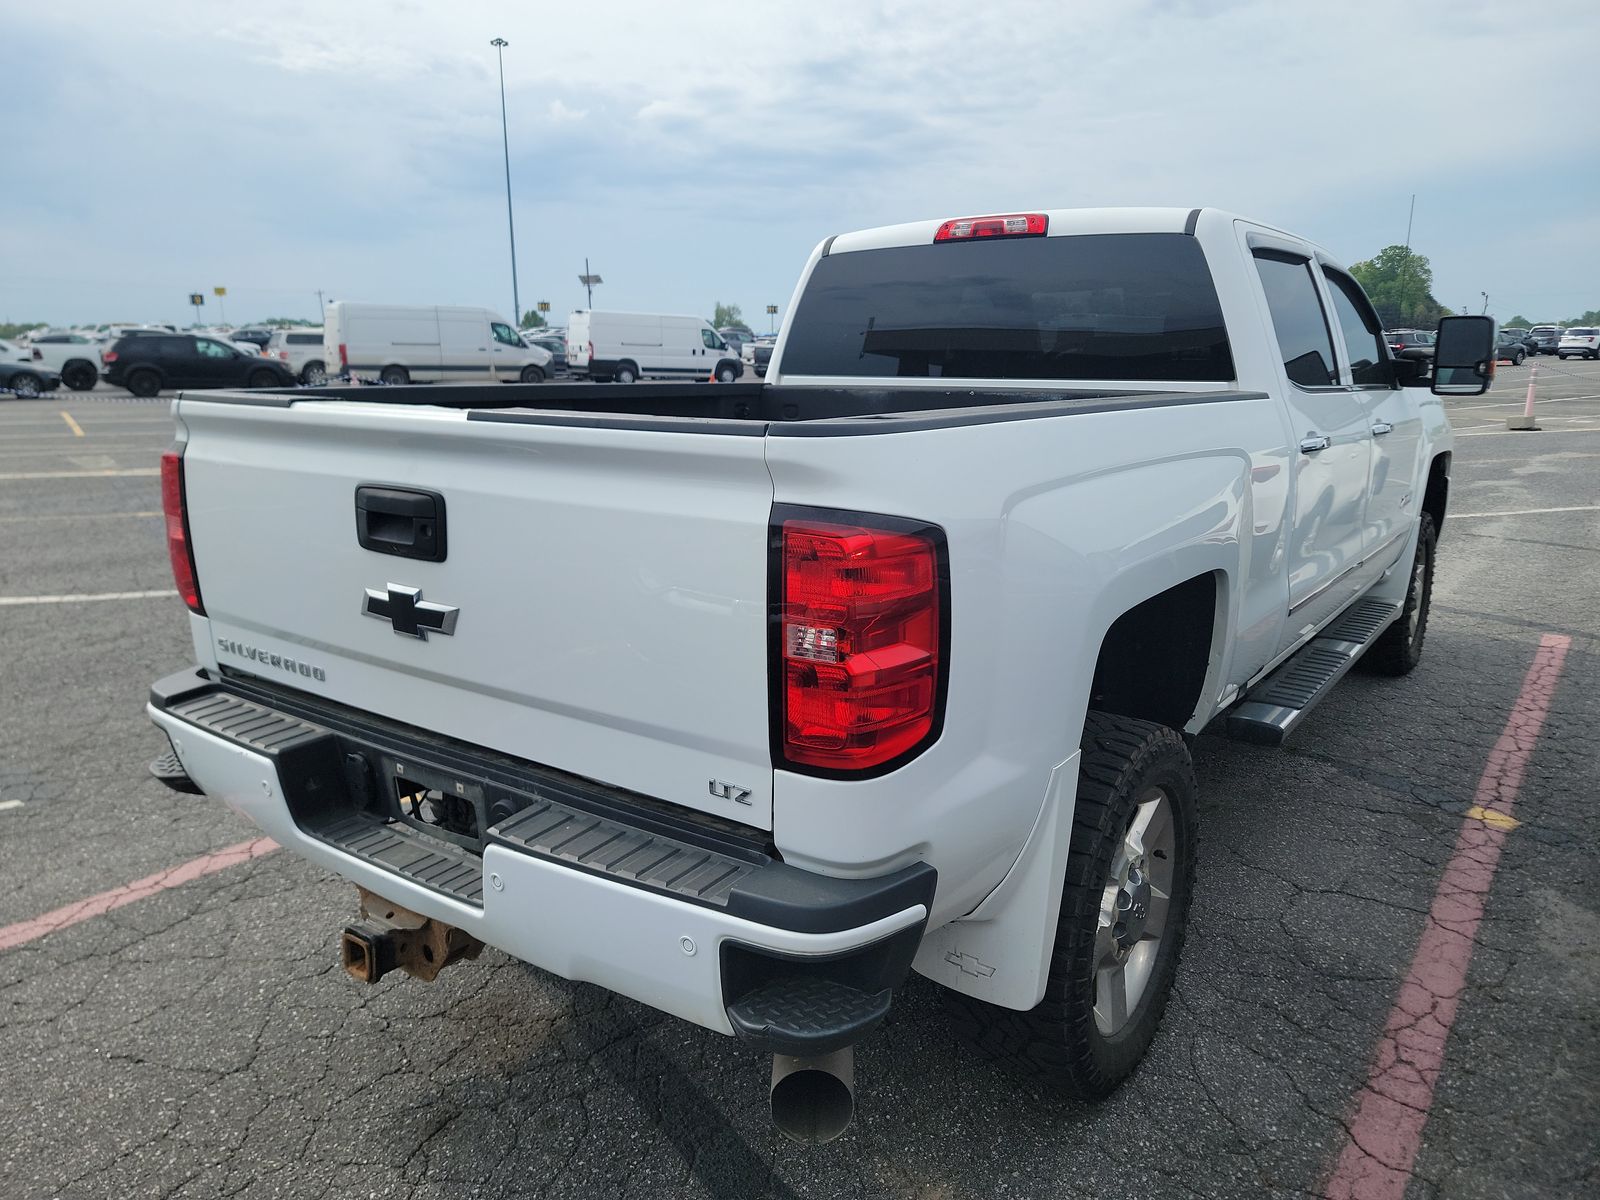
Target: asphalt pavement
{"points": [[201, 1040]]}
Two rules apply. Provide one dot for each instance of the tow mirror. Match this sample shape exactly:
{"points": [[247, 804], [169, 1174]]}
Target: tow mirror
{"points": [[1463, 358]]}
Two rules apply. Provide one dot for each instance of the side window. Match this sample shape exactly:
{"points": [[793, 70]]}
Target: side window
{"points": [[1297, 318], [212, 349], [1363, 336], [505, 334], [712, 341]]}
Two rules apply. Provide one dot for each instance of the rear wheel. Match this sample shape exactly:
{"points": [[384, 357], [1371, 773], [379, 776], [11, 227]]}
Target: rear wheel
{"points": [[144, 383], [394, 376], [1516, 359], [314, 374], [1399, 648], [26, 385], [532, 374], [80, 376], [1124, 911], [626, 373]]}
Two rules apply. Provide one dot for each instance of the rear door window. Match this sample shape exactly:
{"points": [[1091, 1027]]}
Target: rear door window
{"points": [[1132, 306], [1297, 318]]}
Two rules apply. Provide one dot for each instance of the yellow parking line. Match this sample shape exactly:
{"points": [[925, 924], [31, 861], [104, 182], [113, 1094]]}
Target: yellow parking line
{"points": [[1492, 817], [77, 430]]}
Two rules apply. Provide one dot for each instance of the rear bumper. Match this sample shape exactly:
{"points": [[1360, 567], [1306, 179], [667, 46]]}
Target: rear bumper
{"points": [[699, 924]]}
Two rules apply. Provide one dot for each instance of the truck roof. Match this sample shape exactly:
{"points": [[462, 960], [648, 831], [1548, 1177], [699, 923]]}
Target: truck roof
{"points": [[1064, 222]]}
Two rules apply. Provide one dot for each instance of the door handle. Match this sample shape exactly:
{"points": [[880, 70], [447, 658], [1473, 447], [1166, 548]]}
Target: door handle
{"points": [[1380, 428], [1313, 442]]}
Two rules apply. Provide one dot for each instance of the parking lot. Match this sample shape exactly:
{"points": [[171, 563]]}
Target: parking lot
{"points": [[193, 1035]]}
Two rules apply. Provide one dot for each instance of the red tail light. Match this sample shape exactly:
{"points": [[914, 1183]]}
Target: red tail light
{"points": [[344, 357], [860, 640], [591, 351], [1008, 225], [179, 548], [108, 356]]}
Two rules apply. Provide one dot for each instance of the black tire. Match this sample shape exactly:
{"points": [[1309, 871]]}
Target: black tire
{"points": [[314, 374], [531, 374], [1563, 358], [1516, 359], [80, 376], [626, 372], [25, 385], [395, 376], [1059, 1042], [263, 379], [1399, 648], [144, 383], [727, 372]]}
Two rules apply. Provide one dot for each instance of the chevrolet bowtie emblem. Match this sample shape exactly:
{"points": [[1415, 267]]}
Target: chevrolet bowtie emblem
{"points": [[405, 609], [969, 964]]}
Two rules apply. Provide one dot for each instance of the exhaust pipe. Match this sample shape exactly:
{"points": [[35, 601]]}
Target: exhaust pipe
{"points": [[813, 1099]]}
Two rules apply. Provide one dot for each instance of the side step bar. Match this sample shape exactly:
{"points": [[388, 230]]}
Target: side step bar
{"points": [[1272, 709]]}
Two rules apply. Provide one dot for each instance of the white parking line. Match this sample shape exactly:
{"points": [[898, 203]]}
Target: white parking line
{"points": [[84, 599], [1525, 512], [76, 516], [9, 804], [81, 474]]}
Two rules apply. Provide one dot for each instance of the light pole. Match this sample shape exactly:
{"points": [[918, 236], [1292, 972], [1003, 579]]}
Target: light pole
{"points": [[500, 45], [1485, 296], [589, 279]]}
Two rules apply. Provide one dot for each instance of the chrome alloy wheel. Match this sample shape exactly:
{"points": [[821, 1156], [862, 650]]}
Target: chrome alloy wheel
{"points": [[1133, 912], [1419, 572]]}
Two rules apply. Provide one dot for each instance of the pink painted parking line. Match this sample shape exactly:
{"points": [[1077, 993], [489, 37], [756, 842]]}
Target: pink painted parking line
{"points": [[1385, 1134], [140, 889]]}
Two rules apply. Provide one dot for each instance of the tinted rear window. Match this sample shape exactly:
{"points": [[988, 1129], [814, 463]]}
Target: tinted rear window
{"points": [[305, 339], [1127, 306], [1583, 332]]}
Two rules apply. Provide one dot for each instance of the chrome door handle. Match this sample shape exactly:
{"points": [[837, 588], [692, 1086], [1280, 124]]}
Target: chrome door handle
{"points": [[1381, 428], [1313, 442]]}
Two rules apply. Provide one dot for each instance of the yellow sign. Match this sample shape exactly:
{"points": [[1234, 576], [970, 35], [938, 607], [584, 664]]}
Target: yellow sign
{"points": [[219, 291], [196, 299]]}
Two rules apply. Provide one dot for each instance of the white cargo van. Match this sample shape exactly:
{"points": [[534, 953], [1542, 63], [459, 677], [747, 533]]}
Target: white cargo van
{"points": [[628, 346], [427, 344]]}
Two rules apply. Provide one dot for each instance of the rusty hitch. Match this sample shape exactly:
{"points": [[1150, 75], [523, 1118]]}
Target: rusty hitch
{"points": [[388, 937]]}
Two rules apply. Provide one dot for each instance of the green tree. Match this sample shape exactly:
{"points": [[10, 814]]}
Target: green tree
{"points": [[533, 320], [1517, 322], [1400, 284], [726, 314]]}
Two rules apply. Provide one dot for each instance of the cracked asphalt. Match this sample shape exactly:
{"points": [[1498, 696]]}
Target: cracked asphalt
{"points": [[203, 1042]]}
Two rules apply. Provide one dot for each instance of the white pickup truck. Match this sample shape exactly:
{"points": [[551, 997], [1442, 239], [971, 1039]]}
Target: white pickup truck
{"points": [[746, 700]]}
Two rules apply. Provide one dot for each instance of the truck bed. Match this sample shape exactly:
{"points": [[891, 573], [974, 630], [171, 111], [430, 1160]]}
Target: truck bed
{"points": [[738, 408]]}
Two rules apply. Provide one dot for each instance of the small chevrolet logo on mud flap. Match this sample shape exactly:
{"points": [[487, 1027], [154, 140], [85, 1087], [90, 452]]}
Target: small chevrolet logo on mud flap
{"points": [[969, 964], [410, 615]]}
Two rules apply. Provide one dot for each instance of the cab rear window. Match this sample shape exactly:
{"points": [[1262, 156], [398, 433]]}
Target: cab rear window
{"points": [[1136, 306]]}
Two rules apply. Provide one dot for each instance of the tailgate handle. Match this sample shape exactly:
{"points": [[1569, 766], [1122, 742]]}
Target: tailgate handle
{"points": [[408, 522]]}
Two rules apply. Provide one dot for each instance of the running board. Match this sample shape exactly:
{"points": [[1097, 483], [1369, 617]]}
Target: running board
{"points": [[1272, 709]]}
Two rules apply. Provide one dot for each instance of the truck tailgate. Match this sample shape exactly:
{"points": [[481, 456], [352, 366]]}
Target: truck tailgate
{"points": [[611, 584]]}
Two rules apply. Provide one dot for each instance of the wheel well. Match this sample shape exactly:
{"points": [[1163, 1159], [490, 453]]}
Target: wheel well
{"points": [[1154, 659], [1437, 496]]}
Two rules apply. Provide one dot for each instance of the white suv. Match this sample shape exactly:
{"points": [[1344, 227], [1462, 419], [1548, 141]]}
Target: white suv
{"points": [[302, 350], [75, 356], [1584, 340]]}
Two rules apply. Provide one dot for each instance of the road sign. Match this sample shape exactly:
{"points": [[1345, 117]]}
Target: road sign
{"points": [[219, 291], [544, 306], [772, 310], [197, 298]]}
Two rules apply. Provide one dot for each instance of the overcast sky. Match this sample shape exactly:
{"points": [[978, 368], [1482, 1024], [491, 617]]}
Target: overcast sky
{"points": [[696, 153]]}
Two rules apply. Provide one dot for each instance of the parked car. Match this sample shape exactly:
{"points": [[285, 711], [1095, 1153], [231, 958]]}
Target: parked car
{"points": [[1509, 348], [718, 732], [75, 356], [148, 363], [758, 353], [1411, 343], [302, 350], [14, 352], [1583, 341], [26, 380], [737, 337], [556, 344], [400, 343], [620, 346], [1546, 338], [259, 337]]}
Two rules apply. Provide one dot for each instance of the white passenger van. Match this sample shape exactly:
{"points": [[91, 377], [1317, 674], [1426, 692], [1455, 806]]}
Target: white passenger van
{"points": [[427, 344], [624, 347]]}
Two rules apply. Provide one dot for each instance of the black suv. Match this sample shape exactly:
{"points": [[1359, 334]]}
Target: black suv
{"points": [[145, 365], [1545, 338]]}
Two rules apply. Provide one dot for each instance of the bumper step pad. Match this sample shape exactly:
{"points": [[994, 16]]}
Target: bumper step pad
{"points": [[1272, 709], [807, 1016]]}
